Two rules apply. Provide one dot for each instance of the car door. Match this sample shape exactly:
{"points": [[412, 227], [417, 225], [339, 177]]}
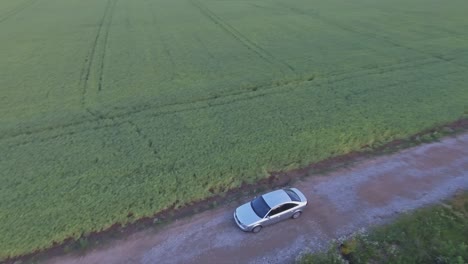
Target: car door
{"points": [[286, 211], [273, 216]]}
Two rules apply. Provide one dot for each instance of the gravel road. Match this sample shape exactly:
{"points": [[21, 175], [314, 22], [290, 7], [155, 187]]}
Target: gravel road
{"points": [[368, 193]]}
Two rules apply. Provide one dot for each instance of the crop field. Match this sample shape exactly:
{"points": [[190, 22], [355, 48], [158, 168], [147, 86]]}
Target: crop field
{"points": [[112, 110]]}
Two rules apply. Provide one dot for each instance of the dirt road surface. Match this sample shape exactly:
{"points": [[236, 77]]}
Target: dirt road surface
{"points": [[371, 192]]}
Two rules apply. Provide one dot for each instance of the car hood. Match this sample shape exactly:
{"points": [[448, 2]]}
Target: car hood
{"points": [[246, 215]]}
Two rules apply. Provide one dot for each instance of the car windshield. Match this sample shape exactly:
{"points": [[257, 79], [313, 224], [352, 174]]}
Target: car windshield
{"points": [[260, 207], [292, 195]]}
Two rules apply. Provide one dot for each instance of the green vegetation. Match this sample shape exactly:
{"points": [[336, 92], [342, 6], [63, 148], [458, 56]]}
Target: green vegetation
{"points": [[432, 235], [113, 110]]}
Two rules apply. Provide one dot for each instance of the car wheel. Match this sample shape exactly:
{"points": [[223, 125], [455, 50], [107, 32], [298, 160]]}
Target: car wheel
{"points": [[296, 215], [257, 229]]}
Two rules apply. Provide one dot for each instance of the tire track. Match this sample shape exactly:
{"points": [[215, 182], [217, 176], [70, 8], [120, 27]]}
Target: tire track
{"points": [[86, 70], [140, 133], [399, 45], [211, 101], [266, 87], [246, 42], [103, 53], [372, 35], [153, 35], [208, 52], [24, 5], [250, 91], [97, 117], [382, 70], [209, 104], [60, 135], [162, 40], [90, 59]]}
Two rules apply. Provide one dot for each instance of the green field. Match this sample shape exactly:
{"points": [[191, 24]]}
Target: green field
{"points": [[112, 110]]}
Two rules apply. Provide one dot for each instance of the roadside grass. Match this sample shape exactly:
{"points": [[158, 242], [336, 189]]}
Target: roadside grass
{"points": [[436, 234], [143, 106]]}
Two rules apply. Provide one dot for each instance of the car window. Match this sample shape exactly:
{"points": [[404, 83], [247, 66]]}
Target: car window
{"points": [[281, 209], [275, 211], [288, 206], [260, 207], [292, 195]]}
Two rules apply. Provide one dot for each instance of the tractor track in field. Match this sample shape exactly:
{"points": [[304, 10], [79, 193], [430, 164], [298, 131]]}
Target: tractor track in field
{"points": [[91, 57], [202, 44], [214, 100], [377, 70], [71, 133], [154, 115], [254, 90], [240, 37], [104, 46], [399, 45], [142, 135], [369, 192], [86, 70], [372, 35], [16, 10], [406, 65], [165, 47]]}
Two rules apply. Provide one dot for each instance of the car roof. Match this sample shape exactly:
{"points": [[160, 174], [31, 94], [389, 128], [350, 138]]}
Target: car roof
{"points": [[276, 198]]}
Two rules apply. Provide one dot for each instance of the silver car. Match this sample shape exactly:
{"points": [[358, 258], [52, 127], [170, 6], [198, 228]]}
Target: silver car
{"points": [[270, 208]]}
